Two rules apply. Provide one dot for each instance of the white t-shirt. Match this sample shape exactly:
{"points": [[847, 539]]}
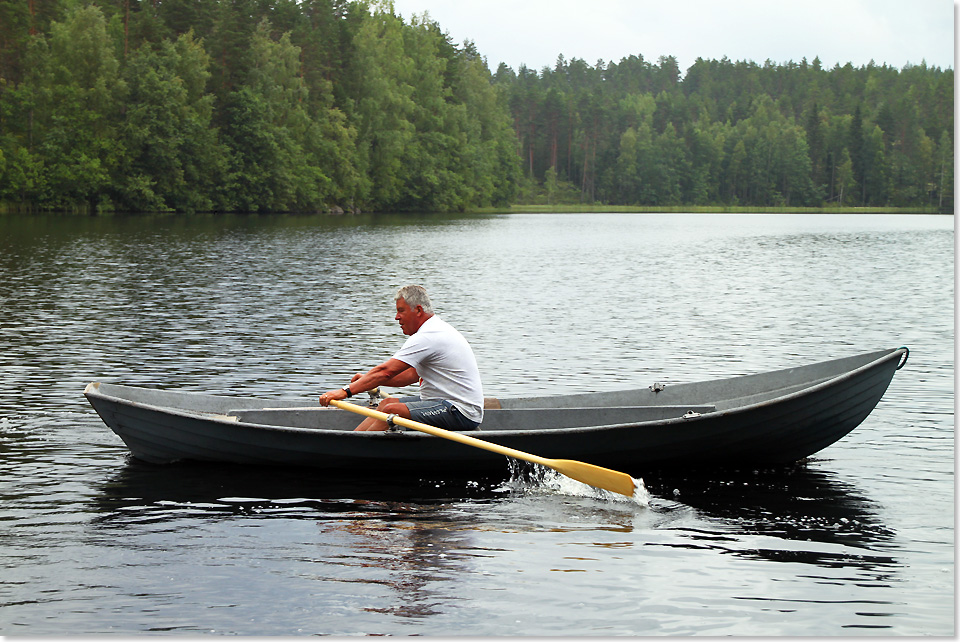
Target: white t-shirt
{"points": [[445, 362]]}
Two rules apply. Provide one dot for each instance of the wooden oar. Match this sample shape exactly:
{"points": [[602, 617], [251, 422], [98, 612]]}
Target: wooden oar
{"points": [[605, 478]]}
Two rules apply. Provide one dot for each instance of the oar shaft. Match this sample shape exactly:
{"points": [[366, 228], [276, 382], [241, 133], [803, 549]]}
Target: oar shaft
{"points": [[587, 473], [447, 434]]}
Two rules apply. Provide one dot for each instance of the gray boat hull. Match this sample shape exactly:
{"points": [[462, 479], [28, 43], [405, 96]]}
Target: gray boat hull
{"points": [[764, 419]]}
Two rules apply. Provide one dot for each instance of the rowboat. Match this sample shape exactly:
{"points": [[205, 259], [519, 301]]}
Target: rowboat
{"points": [[769, 418]]}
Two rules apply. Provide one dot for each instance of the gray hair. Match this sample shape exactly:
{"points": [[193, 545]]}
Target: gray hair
{"points": [[415, 295]]}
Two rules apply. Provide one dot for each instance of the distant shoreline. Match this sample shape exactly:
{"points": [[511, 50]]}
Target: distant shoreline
{"points": [[7, 210], [701, 209]]}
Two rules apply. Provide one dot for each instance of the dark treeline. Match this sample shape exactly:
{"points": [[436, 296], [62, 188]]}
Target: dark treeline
{"points": [[278, 105], [736, 133]]}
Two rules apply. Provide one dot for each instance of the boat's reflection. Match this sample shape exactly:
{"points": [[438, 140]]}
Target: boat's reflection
{"points": [[260, 490], [797, 504], [795, 509]]}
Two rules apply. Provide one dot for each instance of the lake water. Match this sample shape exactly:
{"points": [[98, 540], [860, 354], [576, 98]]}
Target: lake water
{"points": [[859, 540]]}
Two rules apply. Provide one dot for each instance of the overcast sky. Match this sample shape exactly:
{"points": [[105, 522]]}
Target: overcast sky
{"points": [[535, 32]]}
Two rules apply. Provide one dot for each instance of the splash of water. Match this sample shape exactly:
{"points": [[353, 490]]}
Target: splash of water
{"points": [[527, 477]]}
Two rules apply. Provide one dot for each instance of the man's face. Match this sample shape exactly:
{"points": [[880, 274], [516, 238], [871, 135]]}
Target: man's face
{"points": [[410, 318]]}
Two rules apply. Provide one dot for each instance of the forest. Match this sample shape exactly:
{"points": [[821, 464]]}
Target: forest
{"points": [[343, 106]]}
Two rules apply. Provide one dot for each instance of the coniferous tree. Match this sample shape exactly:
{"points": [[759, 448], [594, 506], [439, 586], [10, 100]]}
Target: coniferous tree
{"points": [[856, 149]]}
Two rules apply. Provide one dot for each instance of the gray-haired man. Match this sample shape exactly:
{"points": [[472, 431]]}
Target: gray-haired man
{"points": [[436, 355]]}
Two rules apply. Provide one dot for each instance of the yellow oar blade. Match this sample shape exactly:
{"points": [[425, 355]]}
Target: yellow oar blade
{"points": [[612, 480], [604, 478]]}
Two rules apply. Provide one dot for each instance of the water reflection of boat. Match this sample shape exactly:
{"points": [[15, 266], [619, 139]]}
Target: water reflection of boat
{"points": [[145, 490], [790, 503], [793, 514], [794, 503], [771, 418]]}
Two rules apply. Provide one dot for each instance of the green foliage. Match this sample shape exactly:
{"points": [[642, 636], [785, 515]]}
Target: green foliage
{"points": [[736, 134], [173, 158], [211, 106], [272, 139], [74, 96], [307, 105]]}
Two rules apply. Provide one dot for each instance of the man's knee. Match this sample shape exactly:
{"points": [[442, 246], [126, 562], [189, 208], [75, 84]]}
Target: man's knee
{"points": [[393, 407]]}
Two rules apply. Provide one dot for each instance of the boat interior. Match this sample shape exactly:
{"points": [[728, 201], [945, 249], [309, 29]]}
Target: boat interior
{"points": [[657, 402]]}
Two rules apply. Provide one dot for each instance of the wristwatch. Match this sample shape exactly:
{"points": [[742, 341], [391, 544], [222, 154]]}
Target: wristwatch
{"points": [[347, 390]]}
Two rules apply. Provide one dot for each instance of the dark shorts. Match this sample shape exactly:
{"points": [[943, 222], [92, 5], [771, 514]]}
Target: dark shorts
{"points": [[438, 412]]}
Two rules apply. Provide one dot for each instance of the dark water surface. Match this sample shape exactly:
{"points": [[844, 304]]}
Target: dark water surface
{"points": [[857, 541]]}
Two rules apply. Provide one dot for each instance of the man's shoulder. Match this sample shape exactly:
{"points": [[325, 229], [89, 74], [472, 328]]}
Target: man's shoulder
{"points": [[436, 324]]}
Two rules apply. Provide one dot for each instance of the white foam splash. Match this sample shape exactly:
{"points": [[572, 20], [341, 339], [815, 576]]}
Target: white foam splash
{"points": [[528, 477]]}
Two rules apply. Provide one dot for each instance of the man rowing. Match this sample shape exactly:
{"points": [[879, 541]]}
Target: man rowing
{"points": [[436, 355]]}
